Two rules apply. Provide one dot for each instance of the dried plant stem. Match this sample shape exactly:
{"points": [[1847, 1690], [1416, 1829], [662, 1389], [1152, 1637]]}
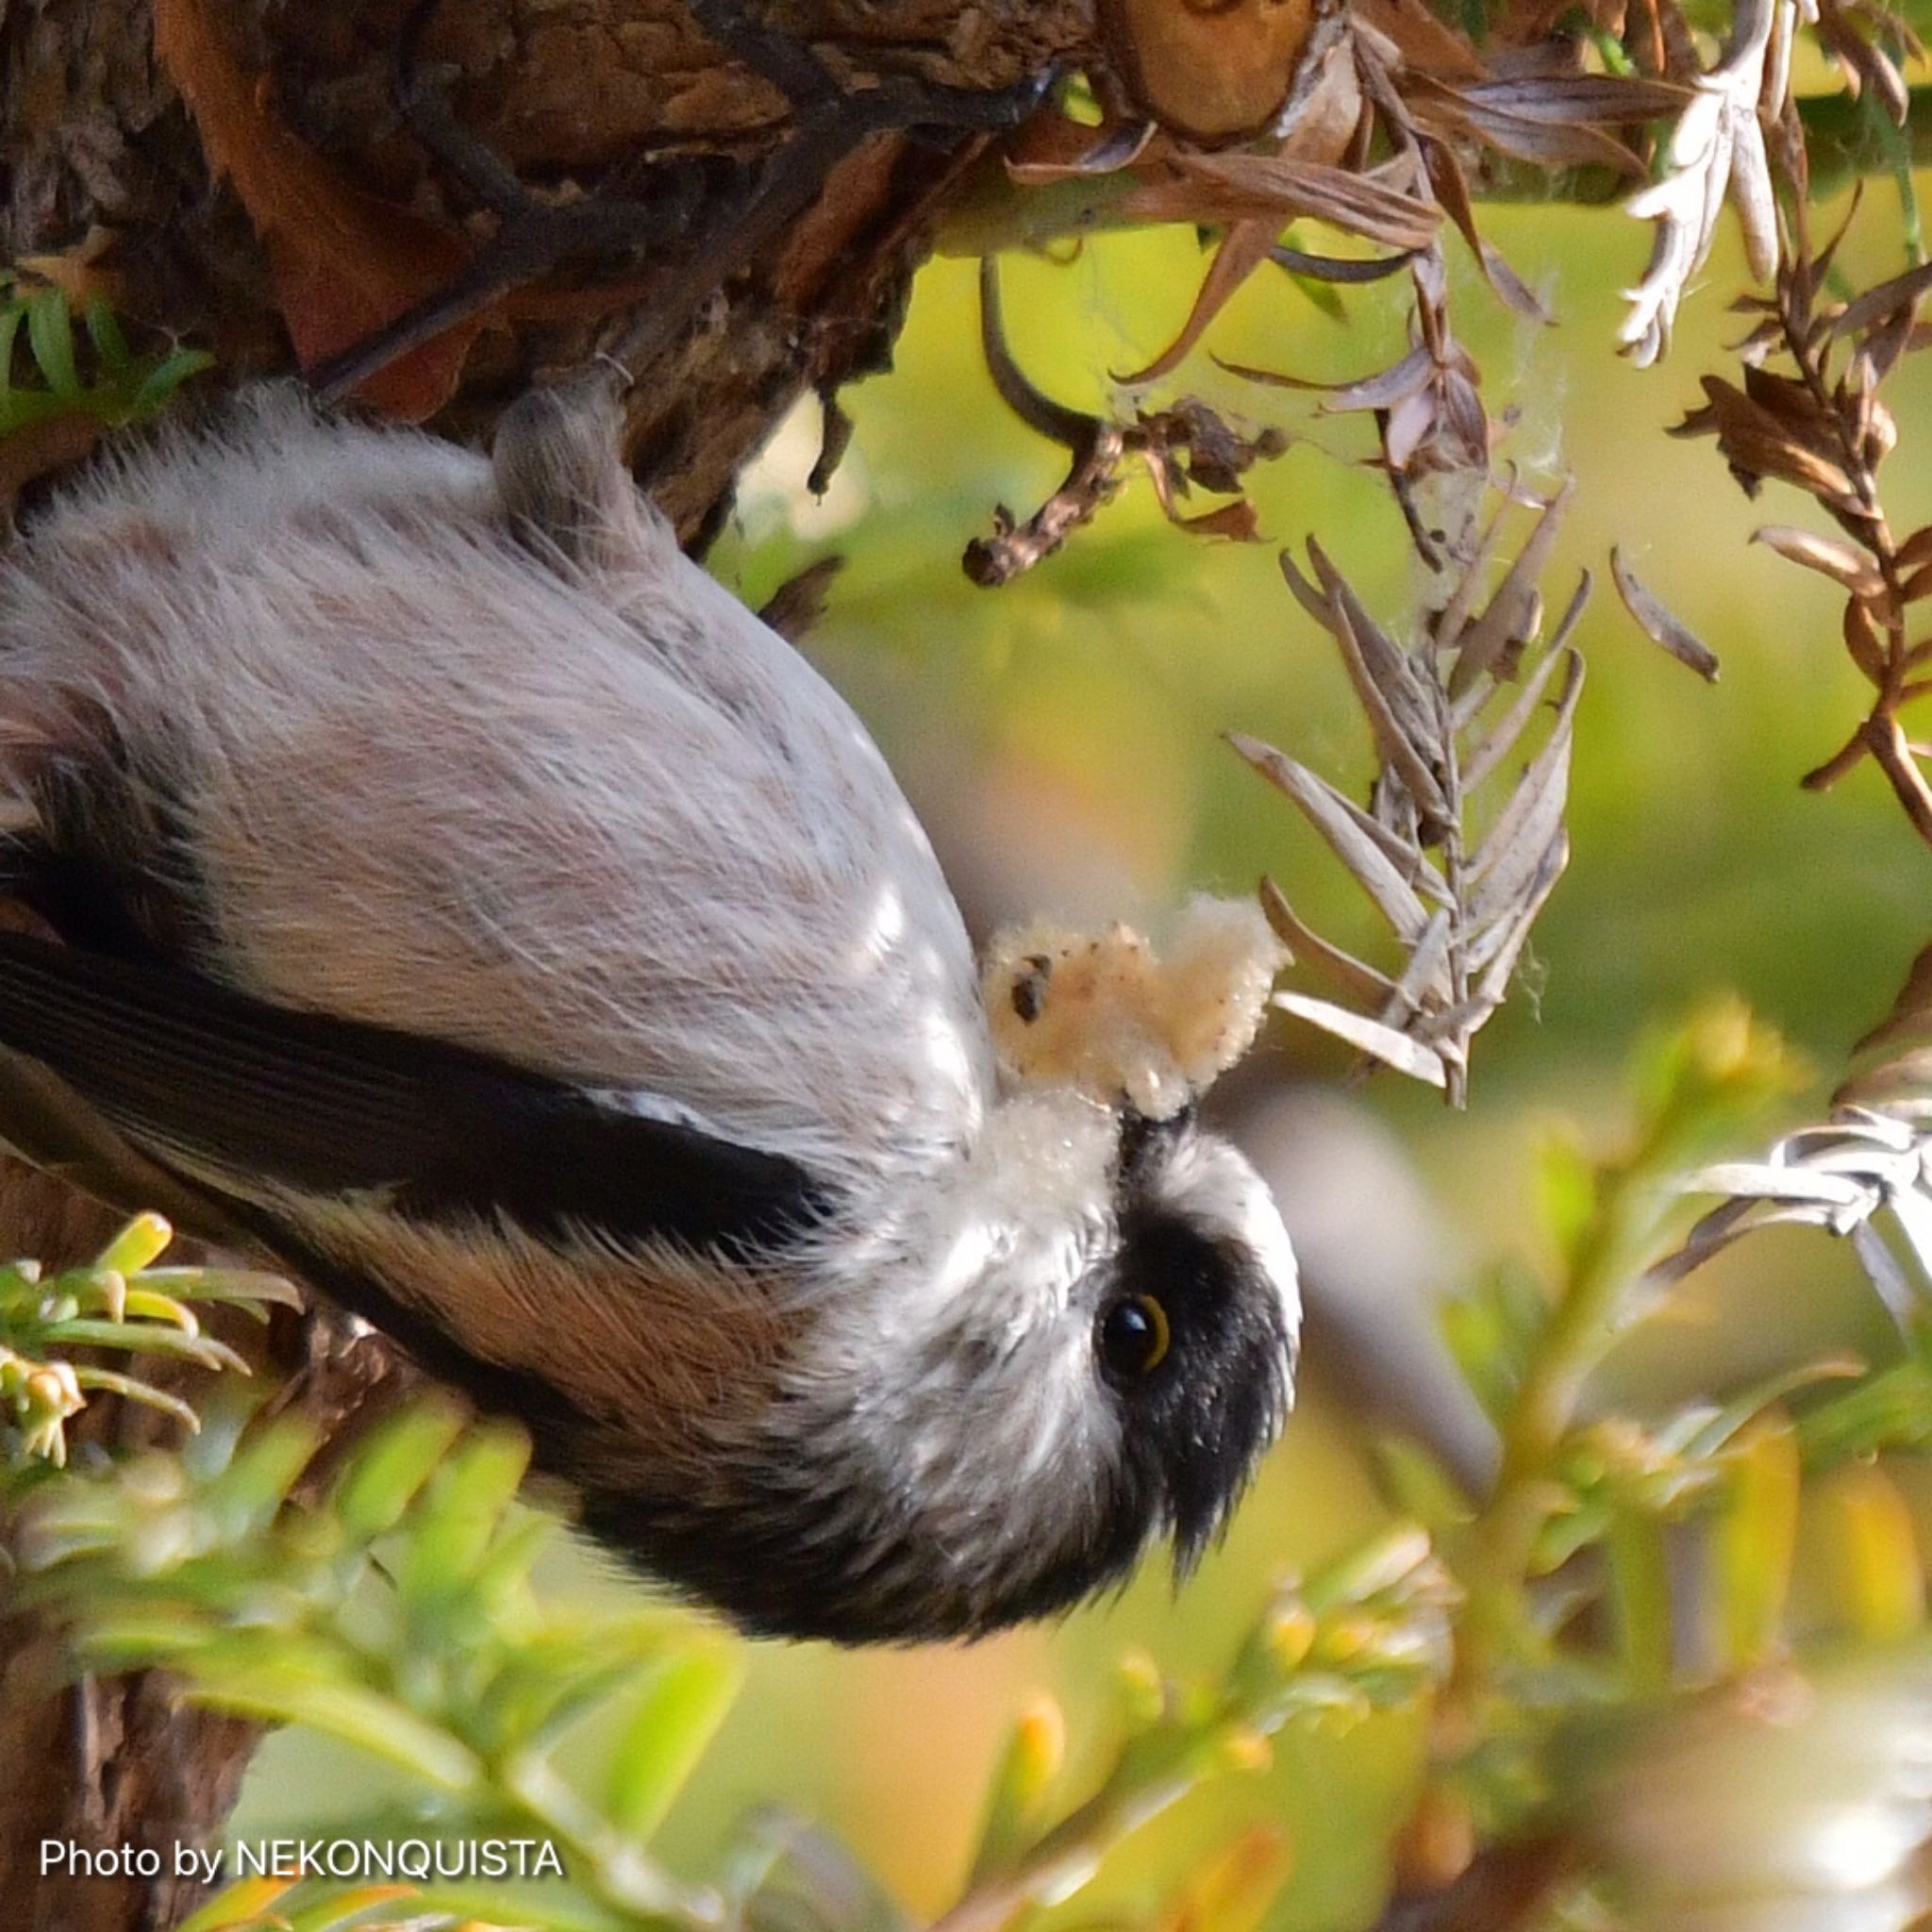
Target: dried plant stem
{"points": [[1882, 737]]}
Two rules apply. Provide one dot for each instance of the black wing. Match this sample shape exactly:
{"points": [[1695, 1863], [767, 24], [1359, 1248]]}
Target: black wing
{"points": [[196, 1076]]}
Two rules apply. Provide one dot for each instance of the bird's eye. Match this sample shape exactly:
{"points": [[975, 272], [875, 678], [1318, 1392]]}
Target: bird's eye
{"points": [[1134, 1335]]}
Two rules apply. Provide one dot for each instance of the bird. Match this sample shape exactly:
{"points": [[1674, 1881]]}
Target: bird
{"points": [[420, 870]]}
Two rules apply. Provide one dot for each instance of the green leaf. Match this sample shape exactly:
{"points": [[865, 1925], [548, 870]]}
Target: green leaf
{"points": [[1716, 1432], [1036, 1748], [543, 1906], [1640, 1596], [1492, 1334], [143, 1240], [377, 1725], [246, 1495], [387, 1471], [683, 1702], [1754, 1541], [1889, 1410], [541, 1686], [1419, 1486], [110, 346], [143, 1337], [11, 315], [164, 378], [1709, 1081], [133, 1390], [50, 337], [457, 1514], [1566, 1192], [232, 1286], [1873, 1566], [242, 1904]]}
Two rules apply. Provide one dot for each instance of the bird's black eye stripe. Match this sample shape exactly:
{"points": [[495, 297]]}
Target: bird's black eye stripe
{"points": [[1171, 1296]]}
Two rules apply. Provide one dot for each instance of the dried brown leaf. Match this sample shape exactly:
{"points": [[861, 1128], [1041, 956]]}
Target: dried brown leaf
{"points": [[1238, 522], [1496, 744], [1832, 556], [1347, 269], [1451, 187], [1368, 1036], [1594, 100], [1902, 293], [1864, 643], [1461, 922], [1051, 147], [1378, 391], [1908, 1023], [1853, 34], [1460, 437], [345, 263], [1355, 976], [1325, 110], [1362, 845], [794, 609], [1870, 1161], [1051, 419], [1541, 121], [1305, 594], [1245, 246], [1715, 152], [1427, 986], [1509, 859], [1419, 39], [1507, 618], [1248, 187], [1497, 951], [1897, 757], [1659, 624], [1403, 722], [1449, 622], [1401, 382], [1759, 441]]}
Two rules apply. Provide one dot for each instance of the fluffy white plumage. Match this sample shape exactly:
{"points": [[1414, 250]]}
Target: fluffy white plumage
{"points": [[310, 728]]}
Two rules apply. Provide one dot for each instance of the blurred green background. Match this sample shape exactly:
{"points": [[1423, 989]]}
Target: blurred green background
{"points": [[1061, 738]]}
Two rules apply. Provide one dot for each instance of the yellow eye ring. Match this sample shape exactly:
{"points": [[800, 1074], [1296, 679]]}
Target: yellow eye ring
{"points": [[1135, 1336]]}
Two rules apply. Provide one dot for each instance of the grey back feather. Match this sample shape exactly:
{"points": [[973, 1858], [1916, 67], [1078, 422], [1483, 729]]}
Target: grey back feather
{"points": [[484, 755]]}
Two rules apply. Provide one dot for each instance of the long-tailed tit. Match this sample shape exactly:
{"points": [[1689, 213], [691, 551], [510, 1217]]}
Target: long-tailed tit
{"points": [[442, 883]]}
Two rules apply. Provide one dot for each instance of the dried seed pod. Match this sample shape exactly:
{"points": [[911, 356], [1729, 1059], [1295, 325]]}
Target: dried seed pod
{"points": [[1213, 69]]}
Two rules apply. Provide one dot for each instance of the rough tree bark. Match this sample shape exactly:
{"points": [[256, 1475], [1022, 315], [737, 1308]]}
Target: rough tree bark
{"points": [[97, 143], [101, 162]]}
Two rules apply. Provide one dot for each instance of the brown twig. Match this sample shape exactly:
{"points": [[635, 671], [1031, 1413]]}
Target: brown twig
{"points": [[1180, 448]]}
